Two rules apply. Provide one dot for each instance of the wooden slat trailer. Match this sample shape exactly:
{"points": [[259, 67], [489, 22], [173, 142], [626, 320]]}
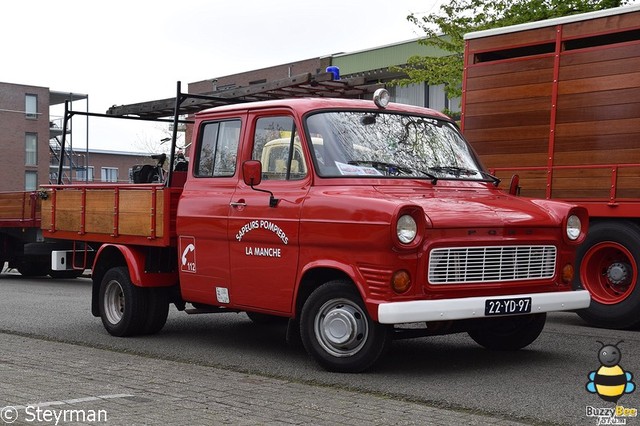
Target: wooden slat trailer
{"points": [[22, 245], [557, 102]]}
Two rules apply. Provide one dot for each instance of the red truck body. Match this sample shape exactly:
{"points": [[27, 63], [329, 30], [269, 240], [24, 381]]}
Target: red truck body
{"points": [[556, 102], [349, 218]]}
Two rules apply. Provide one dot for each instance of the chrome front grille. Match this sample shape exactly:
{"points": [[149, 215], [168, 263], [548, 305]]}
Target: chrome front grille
{"points": [[462, 265]]}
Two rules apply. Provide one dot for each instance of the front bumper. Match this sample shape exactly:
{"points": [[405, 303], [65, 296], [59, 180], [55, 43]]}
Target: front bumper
{"points": [[474, 307]]}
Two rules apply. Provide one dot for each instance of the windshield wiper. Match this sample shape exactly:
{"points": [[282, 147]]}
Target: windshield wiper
{"points": [[434, 178], [460, 171], [495, 180], [392, 169]]}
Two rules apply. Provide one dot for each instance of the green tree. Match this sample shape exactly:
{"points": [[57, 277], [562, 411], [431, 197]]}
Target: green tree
{"points": [[446, 28]]}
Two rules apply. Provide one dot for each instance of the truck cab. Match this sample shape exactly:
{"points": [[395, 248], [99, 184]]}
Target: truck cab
{"points": [[355, 219]]}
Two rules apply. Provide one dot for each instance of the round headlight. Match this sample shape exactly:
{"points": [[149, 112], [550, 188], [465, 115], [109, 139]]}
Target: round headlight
{"points": [[574, 227], [407, 229], [381, 98]]}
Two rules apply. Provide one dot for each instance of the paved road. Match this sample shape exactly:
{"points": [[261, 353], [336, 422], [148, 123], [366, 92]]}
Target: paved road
{"points": [[449, 374], [73, 383]]}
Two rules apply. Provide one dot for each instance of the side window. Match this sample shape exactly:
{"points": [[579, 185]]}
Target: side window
{"points": [[277, 145], [218, 149]]}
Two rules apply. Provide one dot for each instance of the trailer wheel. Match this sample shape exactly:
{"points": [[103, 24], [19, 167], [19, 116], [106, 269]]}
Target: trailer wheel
{"points": [[509, 333], [337, 331], [123, 307], [32, 267], [608, 262], [32, 271], [75, 273]]}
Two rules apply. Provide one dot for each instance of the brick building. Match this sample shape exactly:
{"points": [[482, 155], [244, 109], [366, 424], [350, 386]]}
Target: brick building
{"points": [[30, 140], [24, 136]]}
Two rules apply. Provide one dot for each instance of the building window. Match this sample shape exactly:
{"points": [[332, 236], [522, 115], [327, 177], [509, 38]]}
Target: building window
{"points": [[82, 176], [30, 181], [31, 106], [31, 149], [109, 174]]}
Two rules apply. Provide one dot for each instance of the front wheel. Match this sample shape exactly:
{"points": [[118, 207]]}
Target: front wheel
{"points": [[337, 331], [509, 333]]}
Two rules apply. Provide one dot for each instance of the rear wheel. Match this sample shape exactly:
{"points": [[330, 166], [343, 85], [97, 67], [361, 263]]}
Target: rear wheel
{"points": [[608, 263], [509, 333], [122, 305], [157, 310], [337, 331]]}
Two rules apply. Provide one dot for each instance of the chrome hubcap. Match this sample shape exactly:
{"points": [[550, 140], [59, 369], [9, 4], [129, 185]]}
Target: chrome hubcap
{"points": [[341, 327]]}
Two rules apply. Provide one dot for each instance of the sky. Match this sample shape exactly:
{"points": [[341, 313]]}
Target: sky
{"points": [[121, 52]]}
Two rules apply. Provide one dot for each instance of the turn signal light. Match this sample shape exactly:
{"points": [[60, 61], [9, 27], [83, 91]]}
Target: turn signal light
{"points": [[401, 281], [567, 273]]}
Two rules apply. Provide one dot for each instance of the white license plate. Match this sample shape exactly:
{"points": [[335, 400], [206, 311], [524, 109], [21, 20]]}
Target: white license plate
{"points": [[515, 306]]}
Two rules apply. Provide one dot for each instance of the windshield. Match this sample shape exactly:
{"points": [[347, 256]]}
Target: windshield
{"points": [[381, 144]]}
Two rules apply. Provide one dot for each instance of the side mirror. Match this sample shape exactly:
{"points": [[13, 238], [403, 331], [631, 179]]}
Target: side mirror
{"points": [[252, 175], [252, 172], [514, 186]]}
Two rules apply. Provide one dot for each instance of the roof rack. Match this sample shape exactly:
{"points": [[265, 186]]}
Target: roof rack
{"points": [[301, 85]]}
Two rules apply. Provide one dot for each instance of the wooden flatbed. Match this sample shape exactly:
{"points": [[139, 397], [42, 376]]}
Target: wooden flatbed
{"points": [[127, 213]]}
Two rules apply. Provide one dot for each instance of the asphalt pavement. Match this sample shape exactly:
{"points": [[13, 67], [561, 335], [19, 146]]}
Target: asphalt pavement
{"points": [[45, 382]]}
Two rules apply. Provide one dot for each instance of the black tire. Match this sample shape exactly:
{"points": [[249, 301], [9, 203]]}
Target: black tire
{"points": [[66, 274], [356, 343], [265, 319], [123, 306], [27, 271], [34, 268], [157, 310], [509, 333], [608, 263]]}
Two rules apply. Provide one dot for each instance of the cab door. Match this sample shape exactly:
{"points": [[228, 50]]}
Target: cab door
{"points": [[264, 240], [203, 212]]}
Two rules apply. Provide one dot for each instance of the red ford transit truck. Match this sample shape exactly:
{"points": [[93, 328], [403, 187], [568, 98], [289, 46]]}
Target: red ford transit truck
{"points": [[351, 218]]}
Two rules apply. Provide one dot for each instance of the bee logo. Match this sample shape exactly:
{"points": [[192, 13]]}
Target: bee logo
{"points": [[610, 381]]}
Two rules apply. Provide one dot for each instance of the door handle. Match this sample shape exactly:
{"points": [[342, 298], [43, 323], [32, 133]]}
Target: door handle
{"points": [[239, 203]]}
